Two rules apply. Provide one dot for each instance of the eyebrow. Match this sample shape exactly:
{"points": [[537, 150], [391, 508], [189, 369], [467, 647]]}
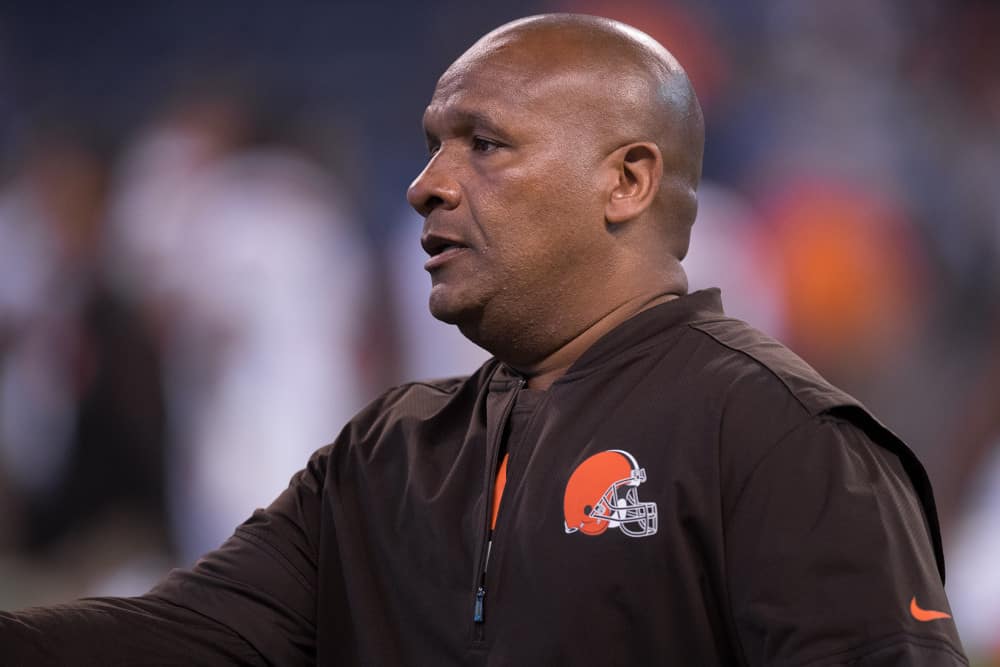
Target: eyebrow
{"points": [[465, 120]]}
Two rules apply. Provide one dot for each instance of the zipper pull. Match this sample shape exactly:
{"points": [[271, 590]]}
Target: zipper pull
{"points": [[477, 614]]}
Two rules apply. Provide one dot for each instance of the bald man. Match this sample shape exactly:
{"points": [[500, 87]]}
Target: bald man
{"points": [[633, 479], [564, 157]]}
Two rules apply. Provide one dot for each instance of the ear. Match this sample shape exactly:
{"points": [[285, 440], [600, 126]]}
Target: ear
{"points": [[638, 169]]}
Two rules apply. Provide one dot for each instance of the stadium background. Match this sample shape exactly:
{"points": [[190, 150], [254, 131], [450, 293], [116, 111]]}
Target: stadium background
{"points": [[207, 262]]}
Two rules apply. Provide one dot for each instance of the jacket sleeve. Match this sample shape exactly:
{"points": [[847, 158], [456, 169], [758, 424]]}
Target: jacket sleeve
{"points": [[250, 602], [830, 559]]}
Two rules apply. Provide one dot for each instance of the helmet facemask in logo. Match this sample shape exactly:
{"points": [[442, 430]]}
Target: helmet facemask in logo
{"points": [[603, 493]]}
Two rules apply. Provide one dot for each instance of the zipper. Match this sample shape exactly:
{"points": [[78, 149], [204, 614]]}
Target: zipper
{"points": [[477, 613], [479, 607]]}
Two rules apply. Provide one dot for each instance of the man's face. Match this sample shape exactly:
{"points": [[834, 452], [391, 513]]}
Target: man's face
{"points": [[510, 195]]}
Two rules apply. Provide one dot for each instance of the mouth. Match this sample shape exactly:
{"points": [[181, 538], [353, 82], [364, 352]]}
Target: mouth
{"points": [[441, 249], [444, 255]]}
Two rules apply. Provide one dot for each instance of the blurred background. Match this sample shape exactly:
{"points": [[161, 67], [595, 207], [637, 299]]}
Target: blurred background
{"points": [[207, 263]]}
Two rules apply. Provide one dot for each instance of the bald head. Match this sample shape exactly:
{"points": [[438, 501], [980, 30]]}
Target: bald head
{"points": [[617, 86]]}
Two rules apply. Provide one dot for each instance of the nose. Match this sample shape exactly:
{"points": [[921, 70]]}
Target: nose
{"points": [[434, 188]]}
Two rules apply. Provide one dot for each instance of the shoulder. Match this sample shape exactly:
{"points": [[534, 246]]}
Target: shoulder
{"points": [[423, 398], [827, 543], [764, 388], [438, 405], [752, 360], [752, 388], [774, 405]]}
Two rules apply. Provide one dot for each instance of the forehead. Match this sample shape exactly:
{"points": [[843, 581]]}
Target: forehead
{"points": [[503, 90], [478, 69]]}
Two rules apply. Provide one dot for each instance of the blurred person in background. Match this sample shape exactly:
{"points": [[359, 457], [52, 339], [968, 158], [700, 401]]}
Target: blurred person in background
{"points": [[729, 234], [849, 270], [245, 250], [975, 582], [82, 441]]}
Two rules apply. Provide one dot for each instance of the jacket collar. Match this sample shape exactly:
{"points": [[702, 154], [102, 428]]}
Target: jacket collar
{"points": [[646, 327]]}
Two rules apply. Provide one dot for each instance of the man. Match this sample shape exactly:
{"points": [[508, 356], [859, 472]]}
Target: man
{"points": [[634, 479]]}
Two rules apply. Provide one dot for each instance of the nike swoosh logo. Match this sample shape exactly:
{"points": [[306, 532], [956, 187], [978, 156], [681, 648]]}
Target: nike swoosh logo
{"points": [[925, 615]]}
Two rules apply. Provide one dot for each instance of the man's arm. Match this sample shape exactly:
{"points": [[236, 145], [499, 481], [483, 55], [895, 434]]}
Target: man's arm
{"points": [[830, 558], [118, 631], [252, 601]]}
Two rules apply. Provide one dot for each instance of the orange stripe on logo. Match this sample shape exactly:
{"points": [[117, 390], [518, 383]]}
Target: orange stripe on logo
{"points": [[925, 614]]}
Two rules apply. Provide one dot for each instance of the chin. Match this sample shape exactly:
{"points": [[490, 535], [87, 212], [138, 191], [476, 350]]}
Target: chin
{"points": [[450, 310], [468, 319]]}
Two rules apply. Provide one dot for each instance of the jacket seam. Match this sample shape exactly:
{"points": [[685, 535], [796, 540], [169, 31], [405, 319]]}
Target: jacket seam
{"points": [[757, 362], [253, 649], [809, 419], [457, 380], [859, 652], [637, 351], [254, 536]]}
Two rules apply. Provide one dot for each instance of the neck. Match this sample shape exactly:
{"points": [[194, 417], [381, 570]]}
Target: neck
{"points": [[542, 374]]}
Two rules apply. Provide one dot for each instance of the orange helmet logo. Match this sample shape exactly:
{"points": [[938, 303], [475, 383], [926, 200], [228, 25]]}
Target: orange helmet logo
{"points": [[603, 493]]}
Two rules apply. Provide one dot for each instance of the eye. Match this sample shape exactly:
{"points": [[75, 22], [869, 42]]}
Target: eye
{"points": [[482, 145]]}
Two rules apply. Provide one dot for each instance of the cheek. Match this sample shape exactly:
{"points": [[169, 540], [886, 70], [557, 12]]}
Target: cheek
{"points": [[572, 190], [545, 214], [550, 196]]}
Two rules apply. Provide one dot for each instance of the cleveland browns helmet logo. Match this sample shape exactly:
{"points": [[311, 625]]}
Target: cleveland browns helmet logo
{"points": [[603, 493]]}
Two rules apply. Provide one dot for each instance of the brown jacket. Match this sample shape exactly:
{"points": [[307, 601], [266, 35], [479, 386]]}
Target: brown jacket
{"points": [[689, 493]]}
